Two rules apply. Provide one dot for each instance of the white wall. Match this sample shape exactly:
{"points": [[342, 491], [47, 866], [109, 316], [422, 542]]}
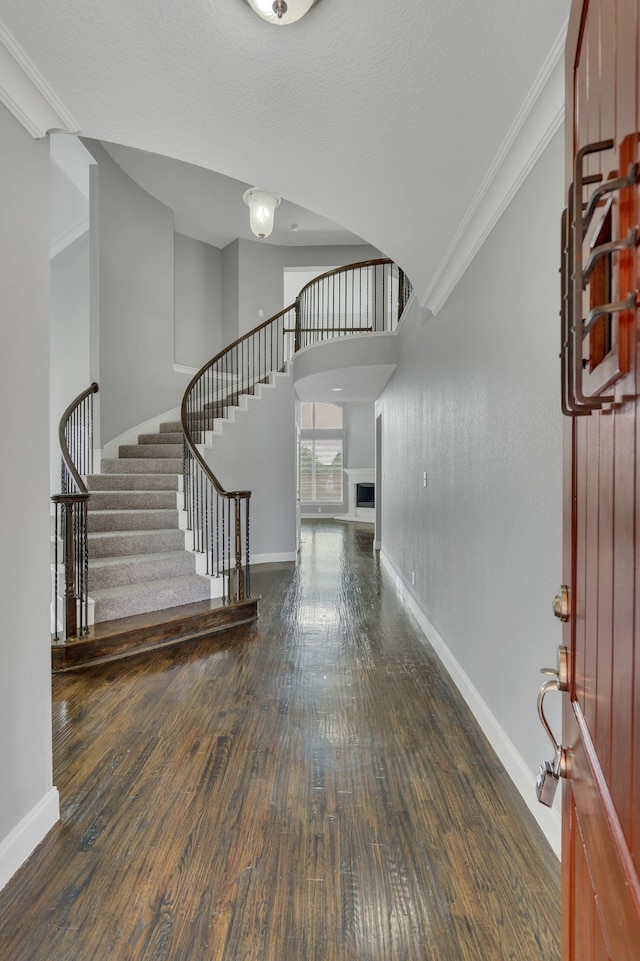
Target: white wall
{"points": [[475, 403], [230, 292], [359, 422], [132, 289], [258, 453], [197, 301], [28, 800], [70, 340], [260, 274]]}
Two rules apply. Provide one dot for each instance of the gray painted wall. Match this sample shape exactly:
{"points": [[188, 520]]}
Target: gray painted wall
{"points": [[475, 403], [134, 284], [25, 678], [360, 440], [258, 453], [260, 274], [70, 341], [197, 301], [230, 292]]}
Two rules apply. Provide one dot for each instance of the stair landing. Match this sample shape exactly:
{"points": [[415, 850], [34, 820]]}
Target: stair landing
{"points": [[126, 636]]}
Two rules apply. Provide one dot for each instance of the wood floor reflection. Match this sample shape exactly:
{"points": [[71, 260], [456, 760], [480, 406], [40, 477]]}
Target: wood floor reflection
{"points": [[310, 789]]}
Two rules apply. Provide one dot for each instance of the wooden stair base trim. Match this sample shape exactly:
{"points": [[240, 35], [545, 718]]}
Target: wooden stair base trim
{"points": [[127, 636]]}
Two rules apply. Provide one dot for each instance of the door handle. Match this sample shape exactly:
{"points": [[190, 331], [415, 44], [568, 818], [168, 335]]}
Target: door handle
{"points": [[550, 772], [552, 685]]}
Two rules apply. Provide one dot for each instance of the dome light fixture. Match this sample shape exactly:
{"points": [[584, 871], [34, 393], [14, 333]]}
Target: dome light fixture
{"points": [[281, 12], [262, 205]]}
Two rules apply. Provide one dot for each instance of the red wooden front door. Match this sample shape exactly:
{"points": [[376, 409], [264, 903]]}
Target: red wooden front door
{"points": [[601, 715]]}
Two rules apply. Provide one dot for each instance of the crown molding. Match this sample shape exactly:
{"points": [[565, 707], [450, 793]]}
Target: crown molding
{"points": [[540, 117], [27, 95]]}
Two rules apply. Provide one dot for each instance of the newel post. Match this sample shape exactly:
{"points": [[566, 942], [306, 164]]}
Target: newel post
{"points": [[73, 532], [238, 587]]}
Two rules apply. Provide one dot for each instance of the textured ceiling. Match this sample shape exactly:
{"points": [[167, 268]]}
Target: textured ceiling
{"points": [[381, 117]]}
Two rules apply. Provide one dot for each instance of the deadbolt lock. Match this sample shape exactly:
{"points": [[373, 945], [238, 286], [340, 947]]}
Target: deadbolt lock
{"points": [[547, 781], [561, 607]]}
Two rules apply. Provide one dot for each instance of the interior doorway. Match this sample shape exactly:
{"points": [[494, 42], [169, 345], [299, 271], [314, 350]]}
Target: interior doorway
{"points": [[295, 278]]}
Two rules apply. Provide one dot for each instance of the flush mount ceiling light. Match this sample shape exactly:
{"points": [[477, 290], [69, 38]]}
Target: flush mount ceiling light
{"points": [[261, 204], [281, 12]]}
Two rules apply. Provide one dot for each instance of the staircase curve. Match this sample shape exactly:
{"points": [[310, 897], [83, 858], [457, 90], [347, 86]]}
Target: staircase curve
{"points": [[363, 298], [119, 534]]}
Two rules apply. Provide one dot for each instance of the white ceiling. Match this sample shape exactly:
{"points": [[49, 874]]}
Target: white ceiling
{"points": [[384, 118], [209, 206], [364, 383]]}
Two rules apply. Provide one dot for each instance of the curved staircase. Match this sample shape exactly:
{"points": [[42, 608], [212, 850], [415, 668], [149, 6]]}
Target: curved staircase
{"points": [[137, 557], [143, 584], [128, 524]]}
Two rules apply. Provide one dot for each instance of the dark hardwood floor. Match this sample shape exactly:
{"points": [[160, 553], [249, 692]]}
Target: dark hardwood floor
{"points": [[308, 788]]}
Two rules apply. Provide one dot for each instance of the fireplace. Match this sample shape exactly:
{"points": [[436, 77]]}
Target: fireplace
{"points": [[365, 495], [360, 494]]}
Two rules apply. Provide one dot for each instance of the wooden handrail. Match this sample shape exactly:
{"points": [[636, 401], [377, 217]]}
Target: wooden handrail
{"points": [[71, 516], [341, 270], [249, 360], [62, 436], [194, 380]]}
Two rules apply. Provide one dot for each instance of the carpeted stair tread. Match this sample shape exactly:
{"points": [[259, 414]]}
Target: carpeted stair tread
{"points": [[133, 482], [137, 558], [150, 451], [173, 438], [142, 465], [118, 543], [132, 520], [124, 601], [133, 568], [139, 500]]}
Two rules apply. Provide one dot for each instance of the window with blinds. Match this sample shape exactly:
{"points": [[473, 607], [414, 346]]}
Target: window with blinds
{"points": [[320, 453], [320, 471]]}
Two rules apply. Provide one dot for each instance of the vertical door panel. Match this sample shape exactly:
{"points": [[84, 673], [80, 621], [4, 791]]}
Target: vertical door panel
{"points": [[601, 712]]}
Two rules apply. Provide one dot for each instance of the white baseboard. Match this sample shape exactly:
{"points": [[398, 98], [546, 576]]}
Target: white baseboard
{"points": [[27, 835], [522, 776], [273, 558], [355, 518], [130, 436]]}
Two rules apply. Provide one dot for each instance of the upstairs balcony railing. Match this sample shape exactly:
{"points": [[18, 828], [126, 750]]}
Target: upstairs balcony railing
{"points": [[367, 297], [70, 611]]}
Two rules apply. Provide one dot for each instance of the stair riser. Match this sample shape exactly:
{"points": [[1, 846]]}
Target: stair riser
{"points": [[133, 482], [148, 520], [142, 465], [175, 438], [179, 564], [173, 451], [141, 602], [107, 643], [120, 545], [133, 500]]}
